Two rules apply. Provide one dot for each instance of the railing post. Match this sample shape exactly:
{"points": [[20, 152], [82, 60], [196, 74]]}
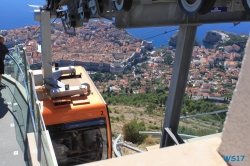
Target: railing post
{"points": [[38, 119], [25, 65], [31, 92]]}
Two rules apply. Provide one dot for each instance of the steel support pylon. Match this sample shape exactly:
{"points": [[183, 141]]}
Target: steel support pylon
{"points": [[184, 49], [46, 44]]}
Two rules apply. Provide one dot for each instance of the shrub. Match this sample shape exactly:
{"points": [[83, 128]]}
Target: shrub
{"points": [[109, 110], [131, 131], [114, 135], [117, 118], [154, 127], [122, 117], [150, 140], [116, 111]]}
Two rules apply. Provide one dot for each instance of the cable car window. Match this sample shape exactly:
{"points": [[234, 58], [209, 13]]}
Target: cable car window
{"points": [[79, 142]]}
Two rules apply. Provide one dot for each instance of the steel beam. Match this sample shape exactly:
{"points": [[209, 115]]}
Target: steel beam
{"points": [[169, 13], [186, 37]]}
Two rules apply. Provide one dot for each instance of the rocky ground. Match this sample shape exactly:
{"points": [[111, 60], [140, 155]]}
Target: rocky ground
{"points": [[121, 114]]}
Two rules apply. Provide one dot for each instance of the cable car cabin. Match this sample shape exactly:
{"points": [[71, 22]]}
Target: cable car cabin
{"points": [[75, 114]]}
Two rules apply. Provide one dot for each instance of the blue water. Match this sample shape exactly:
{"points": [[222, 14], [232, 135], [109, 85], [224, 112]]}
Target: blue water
{"points": [[162, 38], [16, 14]]}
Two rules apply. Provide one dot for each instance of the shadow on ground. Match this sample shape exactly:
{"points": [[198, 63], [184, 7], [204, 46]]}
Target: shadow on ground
{"points": [[3, 107]]}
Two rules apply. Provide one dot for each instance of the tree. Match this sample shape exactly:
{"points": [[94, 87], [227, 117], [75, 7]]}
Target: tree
{"points": [[190, 84], [135, 61], [168, 59], [160, 90], [144, 65], [138, 71], [210, 66], [238, 65], [242, 55], [136, 83], [150, 108], [222, 67], [127, 71], [131, 131]]}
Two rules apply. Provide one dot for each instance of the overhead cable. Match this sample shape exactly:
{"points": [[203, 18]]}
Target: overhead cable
{"points": [[153, 31], [161, 34], [39, 28]]}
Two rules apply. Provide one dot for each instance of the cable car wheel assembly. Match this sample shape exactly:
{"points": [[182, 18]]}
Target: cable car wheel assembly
{"points": [[191, 7], [123, 4]]}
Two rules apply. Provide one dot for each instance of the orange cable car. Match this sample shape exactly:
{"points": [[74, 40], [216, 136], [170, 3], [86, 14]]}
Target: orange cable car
{"points": [[78, 124]]}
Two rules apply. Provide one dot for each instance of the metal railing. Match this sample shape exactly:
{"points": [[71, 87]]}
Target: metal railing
{"points": [[26, 90], [29, 115]]}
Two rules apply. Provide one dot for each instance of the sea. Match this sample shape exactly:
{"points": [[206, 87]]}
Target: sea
{"points": [[17, 13]]}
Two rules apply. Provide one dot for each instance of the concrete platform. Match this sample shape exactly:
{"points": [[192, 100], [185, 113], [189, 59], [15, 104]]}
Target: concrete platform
{"points": [[202, 152], [12, 144]]}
